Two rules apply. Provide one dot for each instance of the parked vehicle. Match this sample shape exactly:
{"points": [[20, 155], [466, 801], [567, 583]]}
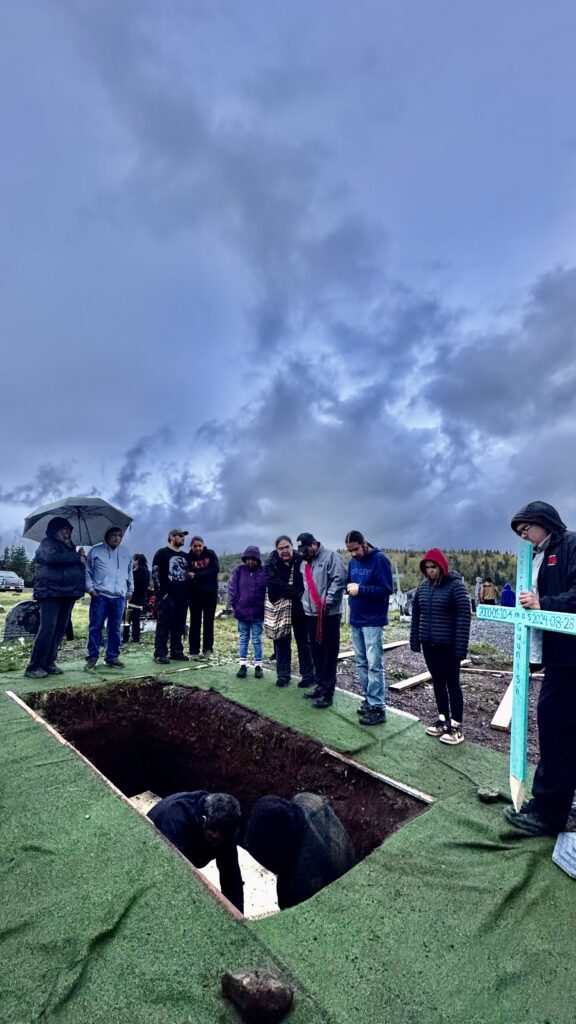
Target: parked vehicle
{"points": [[10, 581]]}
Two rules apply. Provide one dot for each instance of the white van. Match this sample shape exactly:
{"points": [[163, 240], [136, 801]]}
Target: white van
{"points": [[10, 581]]}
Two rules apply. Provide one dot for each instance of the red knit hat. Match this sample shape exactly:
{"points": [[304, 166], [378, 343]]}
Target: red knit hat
{"points": [[434, 555]]}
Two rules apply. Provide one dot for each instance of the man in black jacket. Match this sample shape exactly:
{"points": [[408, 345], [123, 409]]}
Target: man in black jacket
{"points": [[284, 579], [554, 574], [204, 826], [58, 584]]}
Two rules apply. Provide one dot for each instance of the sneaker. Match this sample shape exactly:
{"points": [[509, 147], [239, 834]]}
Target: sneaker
{"points": [[453, 736], [194, 656], [439, 728], [314, 694], [208, 654], [90, 664], [53, 670], [242, 672], [179, 657], [304, 683], [258, 672], [161, 659], [529, 821], [282, 681], [373, 716], [322, 702], [362, 707], [35, 673], [115, 663]]}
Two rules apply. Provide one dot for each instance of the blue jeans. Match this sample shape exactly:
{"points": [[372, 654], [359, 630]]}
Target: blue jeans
{"points": [[367, 641], [109, 610], [247, 630]]}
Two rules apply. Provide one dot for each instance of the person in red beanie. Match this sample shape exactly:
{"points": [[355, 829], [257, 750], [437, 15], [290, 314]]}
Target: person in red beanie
{"points": [[440, 628]]}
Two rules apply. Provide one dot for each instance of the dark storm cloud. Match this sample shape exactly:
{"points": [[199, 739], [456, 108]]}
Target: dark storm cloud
{"points": [[51, 481], [525, 374], [134, 471]]}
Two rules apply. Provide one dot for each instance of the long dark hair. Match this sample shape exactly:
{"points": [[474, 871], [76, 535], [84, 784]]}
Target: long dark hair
{"points": [[141, 559]]}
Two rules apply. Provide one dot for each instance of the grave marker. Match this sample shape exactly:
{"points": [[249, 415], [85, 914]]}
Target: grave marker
{"points": [[522, 619]]}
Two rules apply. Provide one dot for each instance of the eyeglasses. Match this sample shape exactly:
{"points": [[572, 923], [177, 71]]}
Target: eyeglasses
{"points": [[525, 528]]}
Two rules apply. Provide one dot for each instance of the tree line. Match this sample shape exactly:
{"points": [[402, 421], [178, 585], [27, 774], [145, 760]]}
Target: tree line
{"points": [[16, 560], [500, 566]]}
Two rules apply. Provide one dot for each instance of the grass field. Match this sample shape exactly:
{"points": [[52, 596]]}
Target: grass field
{"points": [[15, 655]]}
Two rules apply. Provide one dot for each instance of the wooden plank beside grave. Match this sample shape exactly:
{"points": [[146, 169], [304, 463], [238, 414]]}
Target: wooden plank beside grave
{"points": [[422, 677]]}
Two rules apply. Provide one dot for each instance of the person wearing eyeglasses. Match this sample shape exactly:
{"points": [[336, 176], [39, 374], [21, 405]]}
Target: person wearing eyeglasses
{"points": [[554, 576]]}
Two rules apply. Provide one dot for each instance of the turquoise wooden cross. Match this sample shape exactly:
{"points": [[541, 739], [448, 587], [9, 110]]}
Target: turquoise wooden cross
{"points": [[522, 618]]}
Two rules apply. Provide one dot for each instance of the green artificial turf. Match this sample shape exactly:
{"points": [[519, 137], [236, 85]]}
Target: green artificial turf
{"points": [[453, 919]]}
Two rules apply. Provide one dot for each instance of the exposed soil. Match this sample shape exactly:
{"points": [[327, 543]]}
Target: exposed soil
{"points": [[482, 695], [156, 736]]}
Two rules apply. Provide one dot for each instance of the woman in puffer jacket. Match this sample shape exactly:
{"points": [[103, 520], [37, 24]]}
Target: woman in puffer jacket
{"points": [[440, 628]]}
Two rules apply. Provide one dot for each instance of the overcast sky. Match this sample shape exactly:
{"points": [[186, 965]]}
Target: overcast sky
{"points": [[270, 266]]}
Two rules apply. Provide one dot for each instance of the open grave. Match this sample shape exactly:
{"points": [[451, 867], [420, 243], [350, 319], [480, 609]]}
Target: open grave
{"points": [[163, 738]]}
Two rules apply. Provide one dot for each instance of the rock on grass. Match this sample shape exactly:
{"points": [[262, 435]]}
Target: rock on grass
{"points": [[261, 997]]}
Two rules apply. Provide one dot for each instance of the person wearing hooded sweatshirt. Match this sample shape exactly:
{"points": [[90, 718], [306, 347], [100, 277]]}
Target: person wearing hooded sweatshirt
{"points": [[301, 841], [440, 628], [508, 596], [369, 588], [203, 569], [247, 590], [58, 584], [110, 583], [554, 578]]}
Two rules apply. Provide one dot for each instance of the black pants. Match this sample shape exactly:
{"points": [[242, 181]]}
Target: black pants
{"points": [[132, 623], [555, 779], [202, 607], [283, 651], [444, 667], [170, 626], [325, 653], [54, 617]]}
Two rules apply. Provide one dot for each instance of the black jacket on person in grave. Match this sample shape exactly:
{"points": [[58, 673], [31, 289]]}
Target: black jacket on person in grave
{"points": [[179, 818]]}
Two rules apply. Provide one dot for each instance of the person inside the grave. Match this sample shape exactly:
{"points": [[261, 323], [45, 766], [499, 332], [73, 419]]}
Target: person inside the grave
{"points": [[58, 584], [440, 628], [554, 577], [302, 841], [204, 827]]}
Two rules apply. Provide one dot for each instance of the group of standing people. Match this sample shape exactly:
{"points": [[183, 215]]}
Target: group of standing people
{"points": [[184, 580], [302, 588]]}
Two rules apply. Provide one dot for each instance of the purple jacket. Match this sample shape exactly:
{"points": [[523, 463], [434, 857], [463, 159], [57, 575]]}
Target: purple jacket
{"points": [[247, 588]]}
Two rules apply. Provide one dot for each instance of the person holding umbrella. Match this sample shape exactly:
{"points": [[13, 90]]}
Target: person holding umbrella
{"points": [[58, 585]]}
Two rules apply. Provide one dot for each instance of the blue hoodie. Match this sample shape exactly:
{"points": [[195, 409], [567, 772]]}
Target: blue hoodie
{"points": [[373, 573]]}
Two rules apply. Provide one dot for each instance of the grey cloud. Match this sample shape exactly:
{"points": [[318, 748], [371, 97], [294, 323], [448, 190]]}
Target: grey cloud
{"points": [[51, 481], [134, 471], [499, 382]]}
